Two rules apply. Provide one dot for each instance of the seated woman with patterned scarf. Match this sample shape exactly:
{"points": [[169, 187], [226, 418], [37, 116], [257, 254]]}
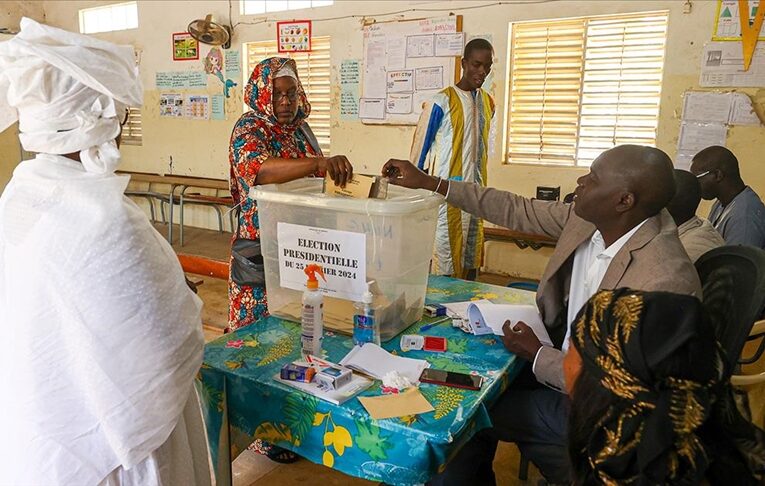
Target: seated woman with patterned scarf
{"points": [[651, 396]]}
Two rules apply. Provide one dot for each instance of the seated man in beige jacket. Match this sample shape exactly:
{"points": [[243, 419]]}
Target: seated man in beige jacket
{"points": [[616, 234], [697, 235]]}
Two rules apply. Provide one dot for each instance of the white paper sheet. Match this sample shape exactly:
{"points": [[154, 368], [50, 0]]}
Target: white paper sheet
{"points": [[341, 254], [449, 44], [372, 108], [495, 315], [374, 82], [396, 52], [722, 64], [742, 111], [376, 362], [420, 46], [400, 81], [429, 78], [398, 104], [374, 69], [704, 106], [695, 137]]}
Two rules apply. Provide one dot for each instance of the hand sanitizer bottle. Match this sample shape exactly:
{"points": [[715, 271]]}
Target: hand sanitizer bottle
{"points": [[312, 319], [365, 326]]}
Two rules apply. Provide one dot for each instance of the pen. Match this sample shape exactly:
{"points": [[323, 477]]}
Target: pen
{"points": [[435, 323]]}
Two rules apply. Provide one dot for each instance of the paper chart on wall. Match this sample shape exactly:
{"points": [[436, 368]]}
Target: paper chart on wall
{"points": [[428, 78], [163, 80], [171, 105], [232, 62], [742, 110], [694, 137], [197, 107], [394, 53], [400, 81], [733, 108], [705, 106], [398, 103], [420, 46], [449, 44], [218, 107], [350, 76], [727, 21], [372, 108], [722, 65], [197, 79]]}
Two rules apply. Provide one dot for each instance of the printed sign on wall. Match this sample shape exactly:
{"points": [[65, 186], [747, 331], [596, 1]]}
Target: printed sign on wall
{"points": [[294, 36], [185, 47]]}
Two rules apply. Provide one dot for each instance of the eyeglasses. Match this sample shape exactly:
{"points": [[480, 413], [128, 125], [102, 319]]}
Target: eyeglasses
{"points": [[279, 97], [699, 176]]}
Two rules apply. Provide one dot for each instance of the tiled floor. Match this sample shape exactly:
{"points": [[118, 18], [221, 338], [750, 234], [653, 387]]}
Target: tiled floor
{"points": [[251, 469]]}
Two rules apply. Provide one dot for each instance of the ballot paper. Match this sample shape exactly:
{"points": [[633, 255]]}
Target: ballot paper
{"points": [[495, 315], [374, 361], [409, 402]]}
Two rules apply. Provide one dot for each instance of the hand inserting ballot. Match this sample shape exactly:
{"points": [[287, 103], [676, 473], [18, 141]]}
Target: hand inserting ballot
{"points": [[404, 173]]}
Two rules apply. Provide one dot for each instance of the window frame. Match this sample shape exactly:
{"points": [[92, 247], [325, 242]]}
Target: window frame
{"points": [[243, 6], [82, 13], [577, 161]]}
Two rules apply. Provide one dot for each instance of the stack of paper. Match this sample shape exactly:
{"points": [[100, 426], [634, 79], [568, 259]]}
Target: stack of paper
{"points": [[495, 315], [374, 361]]}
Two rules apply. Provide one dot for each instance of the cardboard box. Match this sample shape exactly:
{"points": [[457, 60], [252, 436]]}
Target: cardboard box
{"points": [[295, 372], [333, 377]]}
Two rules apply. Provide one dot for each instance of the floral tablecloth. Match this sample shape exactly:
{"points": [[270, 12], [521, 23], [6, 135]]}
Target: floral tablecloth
{"points": [[241, 401]]}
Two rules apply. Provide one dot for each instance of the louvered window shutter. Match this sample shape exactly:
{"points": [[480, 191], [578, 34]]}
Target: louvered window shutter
{"points": [[579, 87]]}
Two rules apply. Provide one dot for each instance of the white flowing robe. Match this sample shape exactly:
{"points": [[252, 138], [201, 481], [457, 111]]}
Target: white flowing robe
{"points": [[100, 338]]}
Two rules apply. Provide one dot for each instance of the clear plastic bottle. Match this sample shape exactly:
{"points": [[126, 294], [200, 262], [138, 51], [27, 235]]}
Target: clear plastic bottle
{"points": [[366, 329], [312, 318]]}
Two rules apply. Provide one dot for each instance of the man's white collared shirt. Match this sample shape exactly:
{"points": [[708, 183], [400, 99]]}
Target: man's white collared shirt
{"points": [[591, 262]]}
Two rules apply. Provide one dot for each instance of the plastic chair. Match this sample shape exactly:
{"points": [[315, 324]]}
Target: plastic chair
{"points": [[758, 332], [733, 282]]}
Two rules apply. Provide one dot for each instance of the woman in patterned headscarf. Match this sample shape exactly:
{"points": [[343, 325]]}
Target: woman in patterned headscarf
{"points": [[651, 398], [272, 143]]}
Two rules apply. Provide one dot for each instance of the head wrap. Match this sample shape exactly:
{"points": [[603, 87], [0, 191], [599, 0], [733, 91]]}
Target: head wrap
{"points": [[650, 432], [68, 92], [286, 72], [258, 94]]}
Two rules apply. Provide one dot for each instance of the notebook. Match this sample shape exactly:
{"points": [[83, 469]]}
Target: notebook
{"points": [[374, 361]]}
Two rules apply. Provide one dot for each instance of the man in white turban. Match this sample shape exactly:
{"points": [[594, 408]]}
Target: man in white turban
{"points": [[100, 338]]}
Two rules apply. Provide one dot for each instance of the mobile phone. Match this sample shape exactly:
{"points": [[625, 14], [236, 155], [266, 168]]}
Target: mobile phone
{"points": [[451, 378]]}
